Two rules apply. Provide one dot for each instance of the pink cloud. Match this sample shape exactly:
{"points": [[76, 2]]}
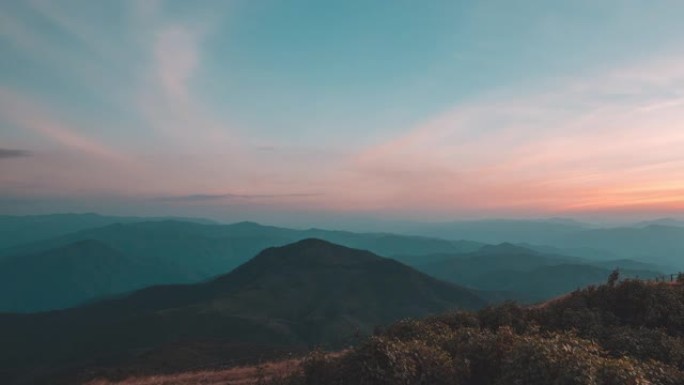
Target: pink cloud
{"points": [[609, 141], [30, 115], [583, 144], [177, 57]]}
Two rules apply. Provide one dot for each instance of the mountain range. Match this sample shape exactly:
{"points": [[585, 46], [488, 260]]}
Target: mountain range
{"points": [[22, 229], [659, 242], [308, 293], [69, 275], [153, 295], [94, 263], [527, 275], [140, 254]]}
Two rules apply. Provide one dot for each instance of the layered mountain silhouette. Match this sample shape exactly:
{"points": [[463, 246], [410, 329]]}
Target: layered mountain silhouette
{"points": [[18, 230], [169, 252], [72, 274], [63, 272], [528, 275], [307, 293], [661, 222], [659, 241], [494, 231], [654, 243]]}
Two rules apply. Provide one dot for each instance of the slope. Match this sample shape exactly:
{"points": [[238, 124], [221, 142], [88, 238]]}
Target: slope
{"points": [[310, 292], [69, 275]]}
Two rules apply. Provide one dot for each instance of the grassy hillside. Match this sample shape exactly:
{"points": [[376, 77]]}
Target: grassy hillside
{"points": [[629, 333], [241, 375]]}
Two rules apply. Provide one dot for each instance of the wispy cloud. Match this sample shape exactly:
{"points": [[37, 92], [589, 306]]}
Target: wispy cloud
{"points": [[8, 153], [167, 100], [602, 141], [193, 198], [581, 144], [176, 54], [87, 34], [30, 115], [96, 61]]}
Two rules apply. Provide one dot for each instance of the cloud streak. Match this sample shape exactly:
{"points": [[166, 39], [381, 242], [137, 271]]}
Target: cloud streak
{"points": [[177, 57], [30, 115], [9, 153], [608, 141], [195, 198], [123, 108]]}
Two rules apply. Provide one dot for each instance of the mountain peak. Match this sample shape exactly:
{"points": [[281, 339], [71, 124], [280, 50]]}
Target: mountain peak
{"points": [[315, 243], [246, 224], [505, 248], [315, 252]]}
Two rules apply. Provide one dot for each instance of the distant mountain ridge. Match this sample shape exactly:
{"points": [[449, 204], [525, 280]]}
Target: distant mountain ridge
{"points": [[661, 222], [528, 275], [494, 231], [183, 252], [16, 230], [654, 243], [660, 241], [309, 292], [171, 252], [69, 275]]}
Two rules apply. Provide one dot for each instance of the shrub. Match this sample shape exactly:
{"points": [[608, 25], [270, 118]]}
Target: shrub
{"points": [[558, 360], [631, 333], [393, 362], [622, 371], [645, 344]]}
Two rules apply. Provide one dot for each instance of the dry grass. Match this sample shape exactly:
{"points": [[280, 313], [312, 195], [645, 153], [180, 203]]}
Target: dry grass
{"points": [[548, 302], [247, 375]]}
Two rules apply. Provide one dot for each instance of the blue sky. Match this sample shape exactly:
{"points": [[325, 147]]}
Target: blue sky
{"points": [[277, 109]]}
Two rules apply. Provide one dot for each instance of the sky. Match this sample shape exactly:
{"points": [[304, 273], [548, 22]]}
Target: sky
{"points": [[301, 110]]}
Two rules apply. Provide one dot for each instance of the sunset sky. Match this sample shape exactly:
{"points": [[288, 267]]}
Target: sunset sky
{"points": [[279, 110]]}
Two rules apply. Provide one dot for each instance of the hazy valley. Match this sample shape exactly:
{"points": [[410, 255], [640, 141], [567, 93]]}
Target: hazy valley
{"points": [[172, 295]]}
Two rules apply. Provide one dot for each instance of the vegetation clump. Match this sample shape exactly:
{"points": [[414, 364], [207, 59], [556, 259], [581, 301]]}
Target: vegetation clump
{"points": [[623, 333]]}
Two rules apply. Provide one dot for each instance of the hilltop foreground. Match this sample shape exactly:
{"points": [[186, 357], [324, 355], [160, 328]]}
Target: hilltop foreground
{"points": [[629, 333]]}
